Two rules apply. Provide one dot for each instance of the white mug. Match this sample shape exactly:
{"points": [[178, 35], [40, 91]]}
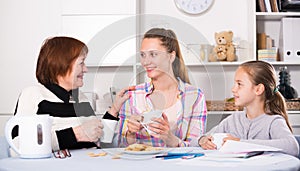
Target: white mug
{"points": [[218, 139], [109, 127], [34, 135], [147, 118], [150, 115]]}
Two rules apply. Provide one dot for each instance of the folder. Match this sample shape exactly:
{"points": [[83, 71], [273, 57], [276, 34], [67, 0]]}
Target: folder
{"points": [[289, 46]]}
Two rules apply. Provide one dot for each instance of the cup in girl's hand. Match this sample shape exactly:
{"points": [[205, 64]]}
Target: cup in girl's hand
{"points": [[218, 139], [147, 116]]}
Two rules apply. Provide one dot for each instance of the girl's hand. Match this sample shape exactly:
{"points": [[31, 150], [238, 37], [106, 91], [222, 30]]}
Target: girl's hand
{"points": [[206, 143], [161, 129], [134, 124], [230, 137]]}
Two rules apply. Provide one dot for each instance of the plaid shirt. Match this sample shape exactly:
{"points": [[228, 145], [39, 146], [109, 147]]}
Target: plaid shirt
{"points": [[191, 117]]}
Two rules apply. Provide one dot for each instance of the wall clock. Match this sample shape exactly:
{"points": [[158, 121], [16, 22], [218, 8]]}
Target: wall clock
{"points": [[193, 7]]}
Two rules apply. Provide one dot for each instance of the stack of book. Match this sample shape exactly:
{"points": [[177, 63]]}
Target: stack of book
{"points": [[269, 55], [266, 50], [268, 5]]}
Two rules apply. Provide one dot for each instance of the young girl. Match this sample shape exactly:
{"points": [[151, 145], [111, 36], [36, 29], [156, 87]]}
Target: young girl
{"points": [[183, 105], [264, 120]]}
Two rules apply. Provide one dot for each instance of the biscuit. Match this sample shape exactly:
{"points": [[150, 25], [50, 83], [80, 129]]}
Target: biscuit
{"points": [[141, 147]]}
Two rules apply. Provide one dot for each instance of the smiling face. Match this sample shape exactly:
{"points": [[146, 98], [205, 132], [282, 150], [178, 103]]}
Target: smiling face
{"points": [[155, 58], [244, 91], [74, 79]]}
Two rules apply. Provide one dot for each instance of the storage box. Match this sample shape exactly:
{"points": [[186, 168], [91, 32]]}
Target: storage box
{"points": [[289, 39], [222, 106], [293, 104]]}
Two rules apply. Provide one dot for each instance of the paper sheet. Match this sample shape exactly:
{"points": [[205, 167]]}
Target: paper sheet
{"points": [[262, 160], [231, 146]]}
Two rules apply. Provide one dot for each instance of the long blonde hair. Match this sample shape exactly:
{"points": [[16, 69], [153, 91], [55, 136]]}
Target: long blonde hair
{"points": [[261, 72], [169, 40]]}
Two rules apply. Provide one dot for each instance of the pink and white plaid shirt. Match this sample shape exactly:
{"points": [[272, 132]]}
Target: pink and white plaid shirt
{"points": [[191, 117]]}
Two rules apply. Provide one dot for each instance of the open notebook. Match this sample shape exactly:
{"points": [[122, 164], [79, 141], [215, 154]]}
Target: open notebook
{"points": [[240, 149]]}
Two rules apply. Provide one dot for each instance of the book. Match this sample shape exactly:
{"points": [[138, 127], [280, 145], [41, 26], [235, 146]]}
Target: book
{"points": [[268, 6], [269, 55], [274, 5], [262, 6], [261, 41]]}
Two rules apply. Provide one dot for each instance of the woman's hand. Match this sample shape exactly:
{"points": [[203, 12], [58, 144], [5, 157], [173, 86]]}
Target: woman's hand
{"points": [[121, 97], [161, 129], [89, 131], [133, 126], [206, 143]]}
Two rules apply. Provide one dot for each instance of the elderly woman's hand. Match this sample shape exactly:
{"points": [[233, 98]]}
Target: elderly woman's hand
{"points": [[121, 97], [89, 131]]}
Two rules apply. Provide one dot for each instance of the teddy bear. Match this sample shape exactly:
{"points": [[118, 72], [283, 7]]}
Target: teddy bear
{"points": [[221, 52], [224, 49]]}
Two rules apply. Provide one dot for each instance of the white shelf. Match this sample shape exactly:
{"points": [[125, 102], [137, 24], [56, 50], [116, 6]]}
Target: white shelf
{"points": [[275, 15], [109, 65], [284, 63], [214, 64]]}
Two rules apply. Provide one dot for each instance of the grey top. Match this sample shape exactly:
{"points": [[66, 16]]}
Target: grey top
{"points": [[270, 130]]}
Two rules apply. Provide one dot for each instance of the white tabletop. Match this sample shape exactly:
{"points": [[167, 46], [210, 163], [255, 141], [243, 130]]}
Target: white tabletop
{"points": [[80, 161]]}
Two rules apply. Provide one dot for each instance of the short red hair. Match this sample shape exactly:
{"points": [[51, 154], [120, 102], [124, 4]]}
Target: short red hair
{"points": [[56, 58]]}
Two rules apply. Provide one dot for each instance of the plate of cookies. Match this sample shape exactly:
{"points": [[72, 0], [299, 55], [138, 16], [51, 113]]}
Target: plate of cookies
{"points": [[143, 149]]}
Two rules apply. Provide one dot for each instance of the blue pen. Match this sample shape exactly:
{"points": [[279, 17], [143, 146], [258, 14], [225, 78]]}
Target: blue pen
{"points": [[172, 157], [193, 156], [171, 154], [180, 155], [189, 156]]}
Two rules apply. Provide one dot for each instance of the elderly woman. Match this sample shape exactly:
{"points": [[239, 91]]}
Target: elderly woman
{"points": [[60, 70]]}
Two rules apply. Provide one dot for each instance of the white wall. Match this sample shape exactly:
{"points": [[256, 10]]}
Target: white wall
{"points": [[24, 26], [224, 15]]}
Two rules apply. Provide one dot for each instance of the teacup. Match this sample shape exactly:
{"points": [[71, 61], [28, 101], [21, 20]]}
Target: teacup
{"points": [[147, 118], [109, 127], [218, 139]]}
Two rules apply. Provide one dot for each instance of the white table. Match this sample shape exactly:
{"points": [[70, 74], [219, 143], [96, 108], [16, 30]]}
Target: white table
{"points": [[80, 161]]}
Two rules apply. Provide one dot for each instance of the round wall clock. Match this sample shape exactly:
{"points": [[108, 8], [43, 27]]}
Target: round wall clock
{"points": [[193, 7]]}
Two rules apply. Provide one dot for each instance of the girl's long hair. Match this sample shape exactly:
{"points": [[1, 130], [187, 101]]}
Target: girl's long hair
{"points": [[261, 72]]}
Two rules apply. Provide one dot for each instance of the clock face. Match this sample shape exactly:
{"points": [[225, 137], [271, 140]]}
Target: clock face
{"points": [[193, 6]]}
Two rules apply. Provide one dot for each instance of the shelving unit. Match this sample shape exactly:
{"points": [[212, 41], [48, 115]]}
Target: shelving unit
{"points": [[270, 23]]}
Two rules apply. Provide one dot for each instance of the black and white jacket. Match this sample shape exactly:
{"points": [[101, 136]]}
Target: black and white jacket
{"points": [[68, 109]]}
